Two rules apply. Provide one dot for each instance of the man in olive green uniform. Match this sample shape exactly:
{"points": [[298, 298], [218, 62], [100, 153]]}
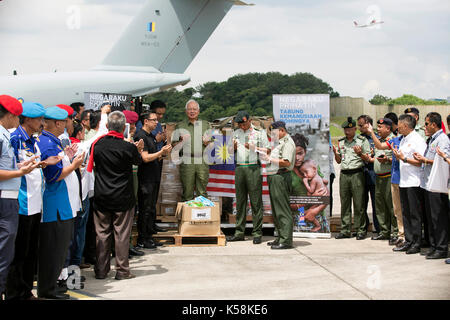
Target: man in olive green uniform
{"points": [[351, 153], [248, 177], [193, 136], [281, 163], [382, 162], [415, 113]]}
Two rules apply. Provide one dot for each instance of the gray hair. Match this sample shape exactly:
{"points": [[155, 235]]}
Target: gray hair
{"points": [[190, 101], [116, 121], [409, 120]]}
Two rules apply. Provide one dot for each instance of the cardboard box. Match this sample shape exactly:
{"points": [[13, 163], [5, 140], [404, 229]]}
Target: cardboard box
{"points": [[198, 221], [168, 209]]}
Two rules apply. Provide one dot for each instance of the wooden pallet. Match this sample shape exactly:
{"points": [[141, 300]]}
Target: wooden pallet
{"points": [[266, 219], [166, 219], [173, 239]]}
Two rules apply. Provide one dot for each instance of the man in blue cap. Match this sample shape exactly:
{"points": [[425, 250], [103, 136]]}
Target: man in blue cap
{"points": [[10, 173], [59, 208], [21, 273]]}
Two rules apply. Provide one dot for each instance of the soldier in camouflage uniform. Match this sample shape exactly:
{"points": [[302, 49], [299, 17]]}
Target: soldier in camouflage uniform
{"points": [[351, 153], [248, 177]]}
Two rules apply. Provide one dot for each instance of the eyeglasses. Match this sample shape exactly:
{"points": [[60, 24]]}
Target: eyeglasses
{"points": [[152, 119]]}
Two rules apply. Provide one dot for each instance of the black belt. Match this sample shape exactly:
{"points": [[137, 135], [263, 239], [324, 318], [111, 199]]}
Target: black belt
{"points": [[351, 171], [284, 170]]}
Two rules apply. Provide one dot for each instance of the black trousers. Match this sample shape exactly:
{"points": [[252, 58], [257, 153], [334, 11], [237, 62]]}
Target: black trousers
{"points": [[332, 176], [369, 189], [147, 197], [54, 241], [21, 273], [9, 221], [90, 242], [412, 217], [436, 209]]}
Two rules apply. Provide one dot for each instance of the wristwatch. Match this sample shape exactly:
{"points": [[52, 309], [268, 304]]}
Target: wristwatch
{"points": [[405, 160]]}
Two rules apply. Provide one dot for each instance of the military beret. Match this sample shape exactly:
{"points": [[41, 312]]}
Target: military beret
{"points": [[131, 116], [11, 104], [69, 109], [241, 116], [277, 125], [385, 121], [55, 113], [350, 123], [33, 110], [412, 110]]}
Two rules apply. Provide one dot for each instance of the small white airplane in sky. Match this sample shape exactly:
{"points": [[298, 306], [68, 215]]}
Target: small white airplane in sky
{"points": [[372, 23], [151, 55]]}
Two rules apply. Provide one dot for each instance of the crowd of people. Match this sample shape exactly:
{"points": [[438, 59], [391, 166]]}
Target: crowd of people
{"points": [[69, 197], [404, 168]]}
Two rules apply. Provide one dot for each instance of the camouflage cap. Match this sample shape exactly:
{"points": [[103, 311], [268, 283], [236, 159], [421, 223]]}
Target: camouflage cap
{"points": [[242, 116], [350, 123], [412, 110]]}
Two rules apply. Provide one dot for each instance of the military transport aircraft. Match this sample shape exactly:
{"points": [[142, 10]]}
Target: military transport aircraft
{"points": [[150, 56]]}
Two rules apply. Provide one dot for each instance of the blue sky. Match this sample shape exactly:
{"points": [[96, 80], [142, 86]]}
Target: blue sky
{"points": [[409, 53]]}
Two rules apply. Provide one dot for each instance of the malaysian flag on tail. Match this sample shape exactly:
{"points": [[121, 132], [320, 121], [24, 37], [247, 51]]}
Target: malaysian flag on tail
{"points": [[221, 173]]}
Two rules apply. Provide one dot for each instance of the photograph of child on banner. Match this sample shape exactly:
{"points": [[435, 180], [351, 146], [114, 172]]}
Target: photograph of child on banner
{"points": [[315, 219]]}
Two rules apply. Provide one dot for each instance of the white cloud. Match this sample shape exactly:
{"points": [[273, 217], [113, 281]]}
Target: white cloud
{"points": [[408, 54]]}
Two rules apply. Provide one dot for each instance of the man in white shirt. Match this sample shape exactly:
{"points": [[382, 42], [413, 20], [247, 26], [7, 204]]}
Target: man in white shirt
{"points": [[436, 203], [410, 191]]}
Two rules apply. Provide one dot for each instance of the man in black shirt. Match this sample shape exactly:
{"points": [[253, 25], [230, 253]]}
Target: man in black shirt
{"points": [[114, 201], [148, 180]]}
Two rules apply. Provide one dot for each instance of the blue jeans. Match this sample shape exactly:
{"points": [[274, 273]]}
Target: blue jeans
{"points": [[79, 236]]}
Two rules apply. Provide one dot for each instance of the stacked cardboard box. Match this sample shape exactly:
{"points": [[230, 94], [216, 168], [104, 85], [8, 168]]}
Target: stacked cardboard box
{"points": [[267, 210], [171, 188]]}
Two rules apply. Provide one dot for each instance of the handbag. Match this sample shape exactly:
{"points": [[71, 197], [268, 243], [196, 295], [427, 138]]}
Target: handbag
{"points": [[438, 180]]}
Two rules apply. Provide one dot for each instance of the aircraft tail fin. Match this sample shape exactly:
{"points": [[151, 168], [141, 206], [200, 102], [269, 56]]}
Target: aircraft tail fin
{"points": [[166, 35]]}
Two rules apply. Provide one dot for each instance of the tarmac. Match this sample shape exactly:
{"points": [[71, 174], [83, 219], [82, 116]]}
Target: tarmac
{"points": [[316, 269]]}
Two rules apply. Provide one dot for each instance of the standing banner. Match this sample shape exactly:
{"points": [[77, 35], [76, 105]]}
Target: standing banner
{"points": [[307, 118], [94, 100]]}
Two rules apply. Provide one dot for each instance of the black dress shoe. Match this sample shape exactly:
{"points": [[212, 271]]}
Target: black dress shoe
{"points": [[379, 237], [100, 276], [271, 243], [256, 240], [159, 229], [447, 261], [149, 244], [56, 296], [133, 251], [354, 234], [342, 236], [393, 241], [280, 246], [124, 276], [360, 237], [413, 250], [234, 238], [438, 255], [427, 252], [402, 248], [61, 286]]}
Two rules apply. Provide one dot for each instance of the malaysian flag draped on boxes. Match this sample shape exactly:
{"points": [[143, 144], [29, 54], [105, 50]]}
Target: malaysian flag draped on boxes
{"points": [[221, 173]]}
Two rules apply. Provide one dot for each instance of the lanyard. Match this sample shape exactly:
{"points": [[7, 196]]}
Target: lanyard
{"points": [[431, 141]]}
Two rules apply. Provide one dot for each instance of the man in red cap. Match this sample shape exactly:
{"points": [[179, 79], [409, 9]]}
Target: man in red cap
{"points": [[65, 140], [131, 118], [10, 173]]}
